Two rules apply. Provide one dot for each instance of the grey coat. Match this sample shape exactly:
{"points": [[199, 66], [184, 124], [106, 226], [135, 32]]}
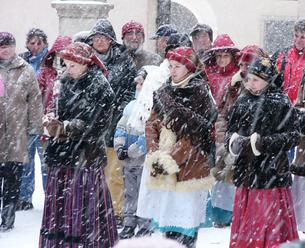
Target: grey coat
{"points": [[21, 109]]}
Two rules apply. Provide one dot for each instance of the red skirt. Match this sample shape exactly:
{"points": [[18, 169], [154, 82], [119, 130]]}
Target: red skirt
{"points": [[262, 218]]}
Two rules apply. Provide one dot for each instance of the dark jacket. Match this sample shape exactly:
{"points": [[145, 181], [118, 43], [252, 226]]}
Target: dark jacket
{"points": [[121, 76], [88, 99], [272, 116]]}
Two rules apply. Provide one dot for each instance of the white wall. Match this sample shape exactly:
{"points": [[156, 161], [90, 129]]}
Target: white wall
{"points": [[242, 19]]}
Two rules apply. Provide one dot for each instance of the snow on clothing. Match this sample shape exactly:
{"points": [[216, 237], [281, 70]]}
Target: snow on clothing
{"points": [[263, 181], [225, 94], [20, 109], [135, 145], [121, 78], [182, 174], [78, 209], [154, 80], [293, 73]]}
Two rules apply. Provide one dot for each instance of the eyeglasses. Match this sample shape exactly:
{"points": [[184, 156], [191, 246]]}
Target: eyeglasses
{"points": [[134, 32], [98, 38]]}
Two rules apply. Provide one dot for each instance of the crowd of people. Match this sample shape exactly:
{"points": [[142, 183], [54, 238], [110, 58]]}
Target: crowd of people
{"points": [[199, 134]]}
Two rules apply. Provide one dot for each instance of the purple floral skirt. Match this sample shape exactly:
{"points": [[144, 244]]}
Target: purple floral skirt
{"points": [[78, 210]]}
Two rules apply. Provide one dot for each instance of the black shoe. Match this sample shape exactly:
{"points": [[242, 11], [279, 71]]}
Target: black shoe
{"points": [[24, 205], [5, 228], [127, 232], [143, 232], [119, 222]]}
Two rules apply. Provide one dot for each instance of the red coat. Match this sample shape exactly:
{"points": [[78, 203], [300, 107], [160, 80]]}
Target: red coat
{"points": [[295, 64], [46, 79], [219, 80]]}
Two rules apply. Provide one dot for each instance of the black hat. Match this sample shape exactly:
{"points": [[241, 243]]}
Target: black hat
{"points": [[164, 31], [7, 38], [263, 68], [204, 28], [178, 40], [103, 27]]}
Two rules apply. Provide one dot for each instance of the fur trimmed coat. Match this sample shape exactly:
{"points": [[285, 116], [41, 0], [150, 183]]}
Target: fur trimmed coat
{"points": [[179, 136], [272, 116]]}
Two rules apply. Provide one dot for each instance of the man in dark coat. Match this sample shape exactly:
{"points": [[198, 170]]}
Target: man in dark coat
{"points": [[133, 39], [122, 72]]}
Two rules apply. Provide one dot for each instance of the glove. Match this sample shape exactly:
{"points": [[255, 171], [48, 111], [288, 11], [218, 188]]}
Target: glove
{"points": [[55, 128], [216, 172], [122, 154], [158, 170], [297, 170], [238, 143]]}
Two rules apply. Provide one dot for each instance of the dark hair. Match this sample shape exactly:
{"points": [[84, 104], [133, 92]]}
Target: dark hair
{"points": [[178, 40], [36, 32], [299, 26]]}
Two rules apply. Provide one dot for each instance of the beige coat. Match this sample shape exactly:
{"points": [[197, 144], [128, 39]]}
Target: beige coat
{"points": [[20, 109]]}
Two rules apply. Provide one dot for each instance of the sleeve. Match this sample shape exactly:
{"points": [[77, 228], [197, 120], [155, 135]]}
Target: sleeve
{"points": [[138, 148], [97, 118], [120, 135], [152, 134], [35, 110], [286, 137]]}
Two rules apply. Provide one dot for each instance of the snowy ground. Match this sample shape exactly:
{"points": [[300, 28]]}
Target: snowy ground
{"points": [[27, 225]]}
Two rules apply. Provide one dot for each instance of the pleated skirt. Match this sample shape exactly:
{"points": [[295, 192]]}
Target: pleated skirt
{"points": [[78, 210], [262, 218]]}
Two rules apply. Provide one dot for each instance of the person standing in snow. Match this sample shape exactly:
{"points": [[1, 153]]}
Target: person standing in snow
{"points": [[262, 127], [133, 38], [121, 74], [78, 208], [20, 116], [291, 62], [37, 45], [221, 63], [179, 137], [130, 147]]}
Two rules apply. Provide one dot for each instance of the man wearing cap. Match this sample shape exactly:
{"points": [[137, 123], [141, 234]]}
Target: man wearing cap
{"points": [[202, 37], [133, 38], [21, 113], [122, 72], [161, 36]]}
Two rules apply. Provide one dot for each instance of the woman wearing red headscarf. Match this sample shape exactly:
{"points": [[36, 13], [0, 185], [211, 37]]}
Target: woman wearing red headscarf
{"points": [[179, 141], [78, 210]]}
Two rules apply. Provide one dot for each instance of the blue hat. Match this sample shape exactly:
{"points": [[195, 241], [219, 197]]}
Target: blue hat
{"points": [[164, 31]]}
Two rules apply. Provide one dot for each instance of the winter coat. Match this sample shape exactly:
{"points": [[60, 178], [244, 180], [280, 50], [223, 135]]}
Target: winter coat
{"points": [[272, 116], [129, 139], [178, 136], [121, 78], [88, 100], [46, 80], [142, 57], [293, 73], [20, 109]]}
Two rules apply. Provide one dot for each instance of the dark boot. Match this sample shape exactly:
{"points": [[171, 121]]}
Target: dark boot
{"points": [[127, 232], [24, 205], [188, 241], [8, 217]]}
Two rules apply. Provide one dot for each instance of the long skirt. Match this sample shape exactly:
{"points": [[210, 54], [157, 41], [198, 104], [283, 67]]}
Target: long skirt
{"points": [[78, 210], [262, 218]]}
